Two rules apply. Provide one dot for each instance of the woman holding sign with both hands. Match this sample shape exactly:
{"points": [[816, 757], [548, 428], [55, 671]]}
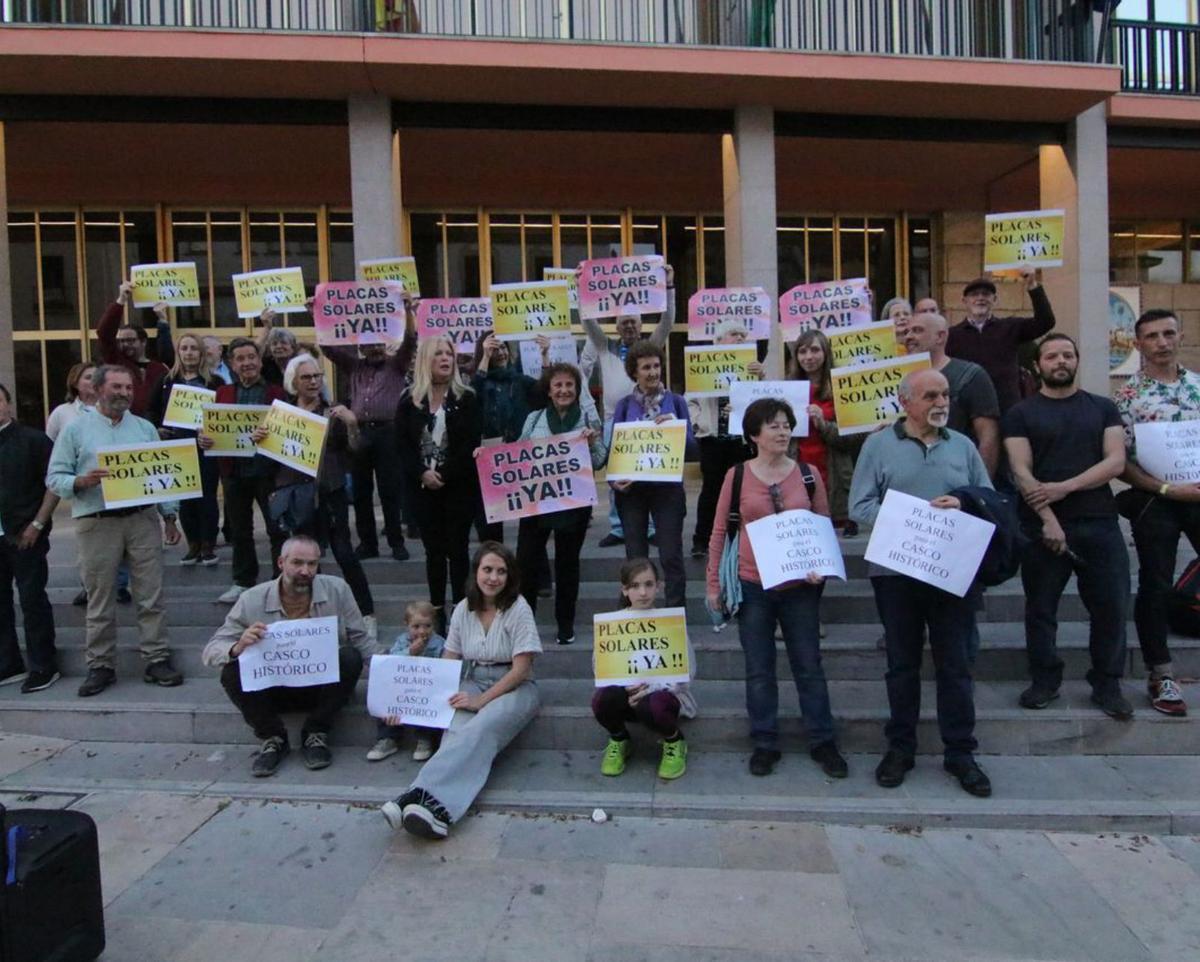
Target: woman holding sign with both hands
{"points": [[770, 483]]}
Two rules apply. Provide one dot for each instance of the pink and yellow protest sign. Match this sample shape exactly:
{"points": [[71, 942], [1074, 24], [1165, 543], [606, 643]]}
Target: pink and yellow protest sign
{"points": [[538, 476], [858, 345], [295, 437], [708, 309], [867, 395], [565, 274], [140, 474], [622, 285], [282, 290], [525, 310], [359, 312], [826, 306], [632, 647], [709, 370], [462, 319], [402, 269], [174, 284]]}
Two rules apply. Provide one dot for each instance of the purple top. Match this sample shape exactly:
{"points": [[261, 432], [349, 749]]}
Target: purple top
{"points": [[375, 386]]}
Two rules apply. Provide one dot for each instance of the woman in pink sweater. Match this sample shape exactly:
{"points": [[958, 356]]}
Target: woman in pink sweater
{"points": [[771, 483]]}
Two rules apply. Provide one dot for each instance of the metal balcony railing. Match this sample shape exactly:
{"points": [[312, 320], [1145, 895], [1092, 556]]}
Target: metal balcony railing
{"points": [[1157, 58]]}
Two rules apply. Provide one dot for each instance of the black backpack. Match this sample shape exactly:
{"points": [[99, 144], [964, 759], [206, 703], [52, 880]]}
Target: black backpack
{"points": [[1183, 604], [1003, 557]]}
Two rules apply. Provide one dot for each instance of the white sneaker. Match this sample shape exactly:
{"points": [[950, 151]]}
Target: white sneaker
{"points": [[423, 750], [372, 626], [231, 595], [384, 748]]}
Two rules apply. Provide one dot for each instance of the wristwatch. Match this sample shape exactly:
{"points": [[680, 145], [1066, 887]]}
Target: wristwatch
{"points": [[37, 524]]}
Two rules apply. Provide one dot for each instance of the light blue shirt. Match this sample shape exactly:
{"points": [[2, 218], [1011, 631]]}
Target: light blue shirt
{"points": [[75, 454]]}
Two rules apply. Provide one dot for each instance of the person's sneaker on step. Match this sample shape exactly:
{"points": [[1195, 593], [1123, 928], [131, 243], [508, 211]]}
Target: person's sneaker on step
{"points": [[673, 761], [418, 813], [423, 750], [699, 550], [383, 748], [616, 752], [192, 557], [611, 540], [970, 776], [162, 673], [231, 594], [96, 681], [1113, 704], [830, 759], [1165, 695], [892, 768], [364, 552], [1036, 697], [764, 760], [315, 751], [268, 757], [13, 677], [39, 681]]}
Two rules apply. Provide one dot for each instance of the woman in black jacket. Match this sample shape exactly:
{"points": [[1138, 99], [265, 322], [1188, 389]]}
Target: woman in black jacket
{"points": [[437, 430]]}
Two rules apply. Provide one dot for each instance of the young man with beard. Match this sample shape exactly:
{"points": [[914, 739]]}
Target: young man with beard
{"points": [[1064, 446]]}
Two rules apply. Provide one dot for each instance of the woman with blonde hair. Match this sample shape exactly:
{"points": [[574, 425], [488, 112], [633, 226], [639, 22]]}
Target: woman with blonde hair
{"points": [[80, 395], [438, 428]]}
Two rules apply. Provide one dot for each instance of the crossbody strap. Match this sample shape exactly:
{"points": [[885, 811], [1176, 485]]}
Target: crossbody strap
{"points": [[733, 523]]}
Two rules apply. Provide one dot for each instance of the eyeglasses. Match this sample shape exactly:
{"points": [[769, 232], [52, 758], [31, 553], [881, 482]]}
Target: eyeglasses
{"points": [[776, 493], [310, 377]]}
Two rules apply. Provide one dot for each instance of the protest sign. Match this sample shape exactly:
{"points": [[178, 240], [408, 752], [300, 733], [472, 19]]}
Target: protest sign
{"points": [[645, 451], [539, 476], [565, 274], [282, 290], [622, 285], [1033, 237], [1169, 450], [743, 393], [462, 319], [826, 306], [185, 408], [294, 437], [859, 345], [940, 547], [292, 654], [864, 395], [230, 426], [708, 371], [632, 647], [411, 690], [359, 312], [788, 545], [710, 308], [174, 284], [562, 351], [527, 310], [402, 269], [142, 474]]}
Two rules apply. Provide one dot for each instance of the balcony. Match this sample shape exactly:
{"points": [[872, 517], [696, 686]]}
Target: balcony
{"points": [[1157, 58]]}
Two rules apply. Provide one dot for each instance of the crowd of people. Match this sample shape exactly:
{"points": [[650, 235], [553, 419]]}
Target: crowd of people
{"points": [[416, 412]]}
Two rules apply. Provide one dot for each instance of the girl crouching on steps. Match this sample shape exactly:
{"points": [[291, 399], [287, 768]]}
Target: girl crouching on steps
{"points": [[658, 707]]}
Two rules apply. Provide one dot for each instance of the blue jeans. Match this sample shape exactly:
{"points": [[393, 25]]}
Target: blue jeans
{"points": [[796, 611], [906, 606]]}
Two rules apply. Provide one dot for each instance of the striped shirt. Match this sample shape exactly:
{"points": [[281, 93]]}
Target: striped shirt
{"points": [[512, 632]]}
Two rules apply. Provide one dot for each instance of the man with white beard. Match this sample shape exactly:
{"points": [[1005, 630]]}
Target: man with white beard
{"points": [[920, 456]]}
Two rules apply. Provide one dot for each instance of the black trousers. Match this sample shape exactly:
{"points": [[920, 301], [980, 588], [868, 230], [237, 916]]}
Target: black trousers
{"points": [[666, 504], [445, 519], [378, 457], [200, 517], [241, 495], [332, 529], [717, 456], [531, 553], [28, 569], [261, 708]]}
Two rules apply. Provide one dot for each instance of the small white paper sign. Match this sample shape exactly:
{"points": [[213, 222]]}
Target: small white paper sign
{"points": [[292, 654], [414, 690], [1169, 450], [796, 393], [562, 351], [788, 545], [939, 547]]}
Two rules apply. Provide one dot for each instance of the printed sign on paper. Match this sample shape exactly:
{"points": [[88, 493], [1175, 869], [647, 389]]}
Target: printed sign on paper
{"points": [[645, 451], [709, 371], [788, 545], [611, 286], [632, 647], [1169, 450], [230, 427], [861, 345], [529, 309], [151, 473], [539, 476], [940, 547], [185, 407], [359, 312], [174, 284], [409, 690], [462, 319], [402, 269], [866, 395], [826, 306], [295, 437], [565, 274], [743, 393], [708, 309], [1033, 237], [562, 351], [292, 654], [282, 290]]}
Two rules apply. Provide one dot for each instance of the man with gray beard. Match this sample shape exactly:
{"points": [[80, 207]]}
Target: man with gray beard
{"points": [[920, 456]]}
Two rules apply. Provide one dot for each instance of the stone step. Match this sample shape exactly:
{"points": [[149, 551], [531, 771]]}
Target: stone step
{"points": [[199, 712]]}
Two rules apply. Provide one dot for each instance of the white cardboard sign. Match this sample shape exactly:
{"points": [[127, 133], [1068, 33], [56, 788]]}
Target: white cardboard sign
{"points": [[743, 393], [562, 351], [413, 690], [292, 654], [788, 545], [1169, 450]]}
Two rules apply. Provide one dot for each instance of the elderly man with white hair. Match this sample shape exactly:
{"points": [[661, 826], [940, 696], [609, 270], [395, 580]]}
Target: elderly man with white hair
{"points": [[920, 456]]}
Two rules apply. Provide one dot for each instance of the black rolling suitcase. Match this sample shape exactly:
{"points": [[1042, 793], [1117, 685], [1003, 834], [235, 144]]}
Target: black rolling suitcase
{"points": [[51, 909]]}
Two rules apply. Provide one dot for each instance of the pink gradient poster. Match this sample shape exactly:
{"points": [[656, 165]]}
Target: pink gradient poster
{"points": [[538, 476], [613, 286]]}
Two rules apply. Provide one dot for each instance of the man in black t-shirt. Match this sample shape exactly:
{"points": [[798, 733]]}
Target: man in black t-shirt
{"points": [[1064, 446]]}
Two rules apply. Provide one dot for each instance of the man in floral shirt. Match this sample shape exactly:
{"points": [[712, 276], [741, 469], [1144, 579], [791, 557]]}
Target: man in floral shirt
{"points": [[1159, 512]]}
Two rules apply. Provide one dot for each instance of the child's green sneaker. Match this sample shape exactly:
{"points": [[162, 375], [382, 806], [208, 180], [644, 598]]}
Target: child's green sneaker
{"points": [[674, 759], [615, 753]]}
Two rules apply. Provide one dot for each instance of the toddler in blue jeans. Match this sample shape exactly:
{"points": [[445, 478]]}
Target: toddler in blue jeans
{"points": [[418, 638]]}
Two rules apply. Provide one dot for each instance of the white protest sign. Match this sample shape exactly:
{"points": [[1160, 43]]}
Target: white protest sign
{"points": [[788, 545], [562, 351], [796, 393], [292, 654], [413, 690], [1169, 450], [940, 547]]}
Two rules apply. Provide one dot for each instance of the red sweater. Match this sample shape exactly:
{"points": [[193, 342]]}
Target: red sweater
{"points": [[146, 374]]}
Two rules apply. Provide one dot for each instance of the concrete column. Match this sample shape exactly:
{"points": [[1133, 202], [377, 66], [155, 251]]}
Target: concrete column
{"points": [[375, 179], [8, 367], [1075, 178], [748, 164]]}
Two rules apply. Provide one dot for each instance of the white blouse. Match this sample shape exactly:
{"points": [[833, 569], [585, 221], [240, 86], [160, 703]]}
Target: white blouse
{"points": [[512, 632]]}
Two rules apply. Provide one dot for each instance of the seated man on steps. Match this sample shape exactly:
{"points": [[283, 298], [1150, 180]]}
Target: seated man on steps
{"points": [[298, 592]]}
